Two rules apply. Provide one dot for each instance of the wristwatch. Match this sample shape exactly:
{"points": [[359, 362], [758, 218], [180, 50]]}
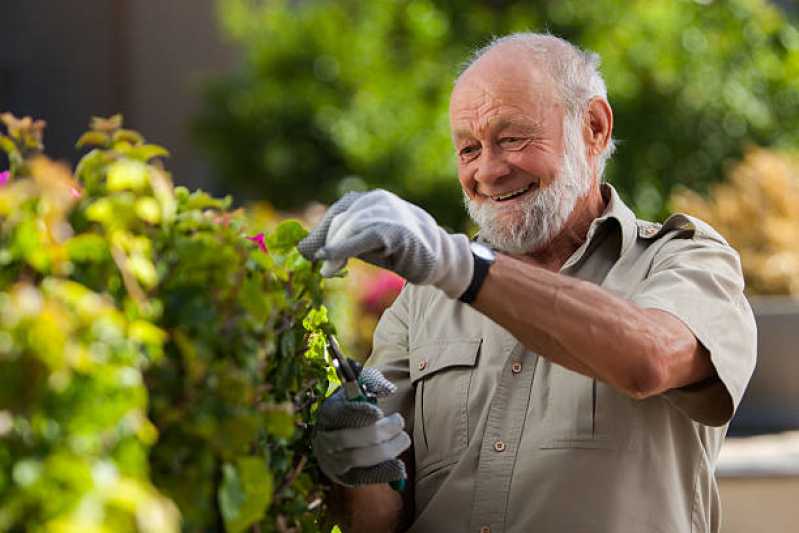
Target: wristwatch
{"points": [[484, 257]]}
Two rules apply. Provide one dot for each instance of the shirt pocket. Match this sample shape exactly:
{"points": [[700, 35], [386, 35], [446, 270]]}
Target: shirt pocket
{"points": [[441, 372], [575, 410]]}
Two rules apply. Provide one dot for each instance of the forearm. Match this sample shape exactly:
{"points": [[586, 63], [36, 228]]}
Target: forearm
{"points": [[586, 328], [367, 509]]}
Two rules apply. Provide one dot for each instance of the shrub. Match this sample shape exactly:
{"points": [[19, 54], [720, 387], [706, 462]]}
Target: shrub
{"points": [[149, 352], [757, 210]]}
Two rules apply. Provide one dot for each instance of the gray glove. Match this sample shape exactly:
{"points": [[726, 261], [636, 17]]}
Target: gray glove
{"points": [[385, 230], [354, 443]]}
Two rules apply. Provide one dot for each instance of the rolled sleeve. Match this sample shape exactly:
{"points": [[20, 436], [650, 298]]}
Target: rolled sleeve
{"points": [[699, 281], [390, 356]]}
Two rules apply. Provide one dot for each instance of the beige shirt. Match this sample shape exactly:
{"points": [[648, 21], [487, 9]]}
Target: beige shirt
{"points": [[506, 441]]}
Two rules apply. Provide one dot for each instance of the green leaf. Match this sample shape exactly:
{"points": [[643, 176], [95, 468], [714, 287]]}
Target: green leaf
{"points": [[252, 298], [90, 167], [245, 493], [315, 319], [279, 420], [148, 209], [288, 343], [87, 247], [128, 174], [200, 199], [146, 333], [285, 236], [145, 152], [8, 146], [92, 138], [143, 269], [129, 136]]}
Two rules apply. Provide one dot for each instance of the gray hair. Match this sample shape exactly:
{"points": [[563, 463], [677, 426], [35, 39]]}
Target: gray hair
{"points": [[574, 71]]}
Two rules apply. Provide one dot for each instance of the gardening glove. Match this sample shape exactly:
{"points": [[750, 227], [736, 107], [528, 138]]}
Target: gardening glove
{"points": [[354, 443], [385, 230]]}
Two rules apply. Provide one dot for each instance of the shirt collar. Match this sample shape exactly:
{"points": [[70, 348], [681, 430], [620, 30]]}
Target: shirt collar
{"points": [[617, 210]]}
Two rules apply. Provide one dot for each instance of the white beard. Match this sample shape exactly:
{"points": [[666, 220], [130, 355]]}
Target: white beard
{"points": [[530, 224]]}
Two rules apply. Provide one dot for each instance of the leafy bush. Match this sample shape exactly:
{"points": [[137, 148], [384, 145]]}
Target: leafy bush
{"points": [[343, 94], [149, 352], [757, 210]]}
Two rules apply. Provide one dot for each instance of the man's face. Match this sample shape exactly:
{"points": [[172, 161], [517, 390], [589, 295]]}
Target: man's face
{"points": [[522, 167]]}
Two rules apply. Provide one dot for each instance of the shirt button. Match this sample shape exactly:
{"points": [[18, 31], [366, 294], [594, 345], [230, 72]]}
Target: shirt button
{"points": [[516, 367], [485, 529], [499, 446], [422, 364]]}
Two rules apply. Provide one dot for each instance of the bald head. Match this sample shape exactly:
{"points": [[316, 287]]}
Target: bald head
{"points": [[574, 71]]}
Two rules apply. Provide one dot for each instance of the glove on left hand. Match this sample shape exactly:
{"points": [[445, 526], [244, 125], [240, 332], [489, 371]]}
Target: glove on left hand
{"points": [[354, 443], [385, 230]]}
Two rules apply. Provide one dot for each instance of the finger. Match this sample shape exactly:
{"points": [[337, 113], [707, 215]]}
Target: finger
{"points": [[342, 414], [332, 267], [374, 454], [383, 430], [318, 235], [344, 245], [376, 383]]}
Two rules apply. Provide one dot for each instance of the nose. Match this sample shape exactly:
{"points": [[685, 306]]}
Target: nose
{"points": [[492, 167]]}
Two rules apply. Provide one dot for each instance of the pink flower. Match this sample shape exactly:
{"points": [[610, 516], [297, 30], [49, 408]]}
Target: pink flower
{"points": [[381, 291], [259, 240], [5, 176], [75, 192]]}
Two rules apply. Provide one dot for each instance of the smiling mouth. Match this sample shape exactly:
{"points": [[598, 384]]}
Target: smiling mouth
{"points": [[511, 195]]}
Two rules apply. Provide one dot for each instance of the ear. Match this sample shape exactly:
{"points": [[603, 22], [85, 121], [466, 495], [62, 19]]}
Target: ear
{"points": [[598, 126]]}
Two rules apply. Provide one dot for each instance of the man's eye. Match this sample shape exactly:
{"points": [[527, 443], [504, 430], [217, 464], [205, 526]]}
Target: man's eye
{"points": [[468, 151], [512, 141]]}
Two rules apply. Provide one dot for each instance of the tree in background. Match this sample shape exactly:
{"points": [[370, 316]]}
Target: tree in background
{"points": [[341, 95]]}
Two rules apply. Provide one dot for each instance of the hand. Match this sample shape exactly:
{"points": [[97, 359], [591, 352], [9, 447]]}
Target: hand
{"points": [[354, 443], [385, 230]]}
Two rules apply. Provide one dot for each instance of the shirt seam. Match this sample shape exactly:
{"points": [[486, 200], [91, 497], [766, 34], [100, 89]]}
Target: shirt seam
{"points": [[692, 518]]}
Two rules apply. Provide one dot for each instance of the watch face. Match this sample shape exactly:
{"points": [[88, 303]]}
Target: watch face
{"points": [[483, 252]]}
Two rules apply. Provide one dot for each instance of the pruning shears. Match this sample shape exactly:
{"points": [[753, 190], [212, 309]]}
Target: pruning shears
{"points": [[348, 371]]}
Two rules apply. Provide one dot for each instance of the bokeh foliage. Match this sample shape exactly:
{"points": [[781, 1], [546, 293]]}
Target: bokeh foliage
{"points": [[152, 357], [336, 95], [757, 210]]}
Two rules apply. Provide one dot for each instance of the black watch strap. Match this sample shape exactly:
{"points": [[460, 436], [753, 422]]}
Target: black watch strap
{"points": [[481, 267]]}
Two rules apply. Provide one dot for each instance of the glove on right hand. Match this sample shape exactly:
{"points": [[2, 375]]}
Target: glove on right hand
{"points": [[354, 443]]}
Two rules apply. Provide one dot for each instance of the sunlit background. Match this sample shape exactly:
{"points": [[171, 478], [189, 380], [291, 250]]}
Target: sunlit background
{"points": [[286, 105]]}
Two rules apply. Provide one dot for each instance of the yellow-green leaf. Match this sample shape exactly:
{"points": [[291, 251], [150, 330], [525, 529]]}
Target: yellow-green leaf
{"points": [[148, 209], [92, 138], [131, 136], [245, 492], [127, 174]]}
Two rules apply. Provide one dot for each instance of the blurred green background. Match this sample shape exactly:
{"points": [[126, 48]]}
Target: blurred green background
{"points": [[292, 101], [344, 95]]}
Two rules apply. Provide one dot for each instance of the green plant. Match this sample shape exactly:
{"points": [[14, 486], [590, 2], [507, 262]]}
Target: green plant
{"points": [[343, 94], [150, 353]]}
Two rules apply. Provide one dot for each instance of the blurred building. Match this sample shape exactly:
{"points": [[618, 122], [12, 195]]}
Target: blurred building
{"points": [[66, 61]]}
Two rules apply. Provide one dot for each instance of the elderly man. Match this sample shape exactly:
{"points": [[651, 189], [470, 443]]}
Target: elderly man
{"points": [[571, 370]]}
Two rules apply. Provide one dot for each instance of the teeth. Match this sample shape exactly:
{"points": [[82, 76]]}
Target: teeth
{"points": [[510, 194]]}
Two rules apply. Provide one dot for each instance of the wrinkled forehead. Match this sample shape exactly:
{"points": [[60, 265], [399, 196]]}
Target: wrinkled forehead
{"points": [[503, 79]]}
